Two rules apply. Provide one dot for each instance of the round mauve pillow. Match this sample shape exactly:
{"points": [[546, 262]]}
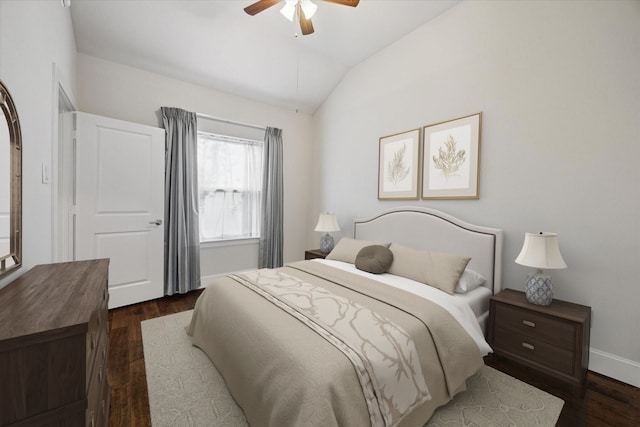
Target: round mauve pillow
{"points": [[374, 259]]}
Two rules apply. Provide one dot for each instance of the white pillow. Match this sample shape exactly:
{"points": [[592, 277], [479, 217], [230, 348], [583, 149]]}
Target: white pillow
{"points": [[469, 280]]}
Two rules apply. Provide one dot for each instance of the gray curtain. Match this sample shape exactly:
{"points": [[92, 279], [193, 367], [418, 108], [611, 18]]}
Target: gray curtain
{"points": [[271, 235], [181, 231]]}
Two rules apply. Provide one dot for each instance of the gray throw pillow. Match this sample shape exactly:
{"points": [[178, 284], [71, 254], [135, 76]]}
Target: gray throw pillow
{"points": [[374, 259]]}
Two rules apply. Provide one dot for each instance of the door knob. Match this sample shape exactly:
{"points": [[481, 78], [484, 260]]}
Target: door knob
{"points": [[156, 222]]}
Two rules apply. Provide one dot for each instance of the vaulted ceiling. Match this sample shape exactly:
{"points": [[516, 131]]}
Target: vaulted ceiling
{"points": [[263, 57]]}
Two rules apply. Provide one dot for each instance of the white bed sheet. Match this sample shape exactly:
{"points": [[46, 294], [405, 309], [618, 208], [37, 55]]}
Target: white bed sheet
{"points": [[457, 305], [477, 299]]}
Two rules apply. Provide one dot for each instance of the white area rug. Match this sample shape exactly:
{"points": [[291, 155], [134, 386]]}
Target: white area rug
{"points": [[185, 389]]}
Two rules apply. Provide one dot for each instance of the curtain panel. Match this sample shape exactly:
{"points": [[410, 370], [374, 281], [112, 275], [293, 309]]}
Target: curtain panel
{"points": [[271, 225], [182, 237]]}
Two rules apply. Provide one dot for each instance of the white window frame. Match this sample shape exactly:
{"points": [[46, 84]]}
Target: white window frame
{"points": [[233, 240]]}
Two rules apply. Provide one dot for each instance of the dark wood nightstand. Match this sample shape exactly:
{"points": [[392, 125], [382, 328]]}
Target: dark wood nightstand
{"points": [[553, 339], [314, 253]]}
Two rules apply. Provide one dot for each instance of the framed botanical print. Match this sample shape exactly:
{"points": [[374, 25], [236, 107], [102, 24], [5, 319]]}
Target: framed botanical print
{"points": [[451, 159], [398, 166]]}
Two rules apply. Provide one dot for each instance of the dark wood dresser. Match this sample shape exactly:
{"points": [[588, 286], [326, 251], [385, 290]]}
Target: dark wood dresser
{"points": [[54, 344], [553, 339]]}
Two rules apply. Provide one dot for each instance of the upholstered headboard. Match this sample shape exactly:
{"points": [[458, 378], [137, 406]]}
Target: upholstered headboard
{"points": [[424, 228]]}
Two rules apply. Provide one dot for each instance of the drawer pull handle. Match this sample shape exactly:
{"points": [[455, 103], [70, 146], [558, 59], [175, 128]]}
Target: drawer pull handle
{"points": [[527, 345], [529, 323]]}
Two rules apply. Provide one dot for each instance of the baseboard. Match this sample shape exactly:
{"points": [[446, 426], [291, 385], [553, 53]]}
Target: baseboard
{"points": [[615, 367]]}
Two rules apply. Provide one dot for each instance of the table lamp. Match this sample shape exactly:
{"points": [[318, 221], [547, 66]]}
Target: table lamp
{"points": [[541, 251], [327, 223]]}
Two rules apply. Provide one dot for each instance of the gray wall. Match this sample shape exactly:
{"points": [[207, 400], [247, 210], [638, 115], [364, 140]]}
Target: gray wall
{"points": [[37, 54], [559, 88]]}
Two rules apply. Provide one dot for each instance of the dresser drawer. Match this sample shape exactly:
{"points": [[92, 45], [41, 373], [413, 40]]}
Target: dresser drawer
{"points": [[534, 350], [97, 385], [105, 402], [97, 331], [553, 331], [98, 374]]}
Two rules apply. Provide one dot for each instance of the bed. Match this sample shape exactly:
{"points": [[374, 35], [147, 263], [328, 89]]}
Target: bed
{"points": [[424, 228], [323, 343]]}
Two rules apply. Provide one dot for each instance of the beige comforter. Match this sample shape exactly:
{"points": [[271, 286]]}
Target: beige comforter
{"points": [[284, 372]]}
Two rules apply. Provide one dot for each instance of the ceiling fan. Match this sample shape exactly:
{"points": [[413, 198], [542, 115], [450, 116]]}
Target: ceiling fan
{"points": [[304, 9]]}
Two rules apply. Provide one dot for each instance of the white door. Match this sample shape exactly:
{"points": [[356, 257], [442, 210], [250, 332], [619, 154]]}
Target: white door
{"points": [[119, 204]]}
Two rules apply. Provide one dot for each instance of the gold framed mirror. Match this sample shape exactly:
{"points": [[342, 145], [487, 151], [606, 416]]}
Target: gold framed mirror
{"points": [[10, 185]]}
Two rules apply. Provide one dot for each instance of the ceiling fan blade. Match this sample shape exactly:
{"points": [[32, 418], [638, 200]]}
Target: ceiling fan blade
{"points": [[305, 24], [259, 6], [352, 3]]}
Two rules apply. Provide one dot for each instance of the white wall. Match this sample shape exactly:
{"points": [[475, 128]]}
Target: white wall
{"points": [[35, 35], [559, 88], [113, 90]]}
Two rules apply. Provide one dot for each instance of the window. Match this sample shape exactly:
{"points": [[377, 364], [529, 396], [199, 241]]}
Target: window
{"points": [[230, 187]]}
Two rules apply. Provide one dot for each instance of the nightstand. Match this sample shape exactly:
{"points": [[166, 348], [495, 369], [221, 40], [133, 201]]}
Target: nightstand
{"points": [[553, 339], [314, 253]]}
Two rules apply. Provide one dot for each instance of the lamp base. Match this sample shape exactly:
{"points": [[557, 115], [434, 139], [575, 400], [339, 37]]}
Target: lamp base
{"points": [[326, 244], [538, 289]]}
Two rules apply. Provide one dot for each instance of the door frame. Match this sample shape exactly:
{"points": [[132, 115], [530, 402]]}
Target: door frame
{"points": [[62, 172]]}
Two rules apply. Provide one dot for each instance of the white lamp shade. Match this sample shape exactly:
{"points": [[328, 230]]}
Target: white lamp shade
{"points": [[541, 250], [327, 223], [308, 8]]}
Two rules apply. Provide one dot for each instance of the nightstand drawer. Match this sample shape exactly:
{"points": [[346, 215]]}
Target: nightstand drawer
{"points": [[534, 350], [553, 331], [551, 339]]}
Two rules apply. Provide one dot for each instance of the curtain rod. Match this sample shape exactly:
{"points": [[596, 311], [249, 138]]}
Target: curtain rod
{"points": [[206, 116]]}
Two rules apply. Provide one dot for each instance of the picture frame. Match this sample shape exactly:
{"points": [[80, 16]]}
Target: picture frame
{"points": [[451, 159], [399, 166]]}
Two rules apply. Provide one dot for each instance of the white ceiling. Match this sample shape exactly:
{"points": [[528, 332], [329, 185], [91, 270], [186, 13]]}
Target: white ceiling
{"points": [[217, 45]]}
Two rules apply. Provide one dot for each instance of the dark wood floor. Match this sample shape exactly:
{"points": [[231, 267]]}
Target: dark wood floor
{"points": [[129, 398], [605, 402]]}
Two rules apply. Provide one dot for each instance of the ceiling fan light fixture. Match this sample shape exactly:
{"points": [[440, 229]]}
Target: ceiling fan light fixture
{"points": [[302, 10], [289, 9], [309, 8]]}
